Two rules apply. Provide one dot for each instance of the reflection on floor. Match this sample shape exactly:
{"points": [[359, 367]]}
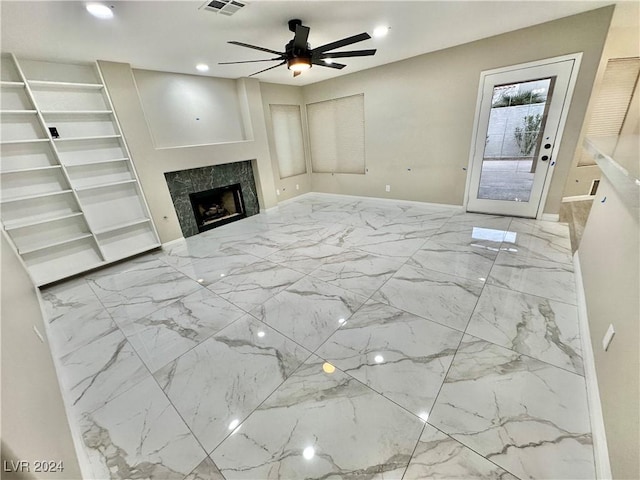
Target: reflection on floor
{"points": [[331, 338], [575, 214]]}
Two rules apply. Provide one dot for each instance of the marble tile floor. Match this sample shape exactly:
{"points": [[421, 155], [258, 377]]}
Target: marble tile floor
{"points": [[330, 338]]}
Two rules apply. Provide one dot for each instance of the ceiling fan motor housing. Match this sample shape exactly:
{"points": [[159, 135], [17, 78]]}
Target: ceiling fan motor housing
{"points": [[293, 23]]}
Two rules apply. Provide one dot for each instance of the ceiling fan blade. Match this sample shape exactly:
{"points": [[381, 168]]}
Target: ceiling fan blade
{"points": [[300, 39], [255, 48], [353, 53], [275, 66], [341, 43], [322, 63], [251, 61]]}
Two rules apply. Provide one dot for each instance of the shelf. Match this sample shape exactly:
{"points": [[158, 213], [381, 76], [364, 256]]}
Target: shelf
{"points": [[18, 112], [76, 112], [74, 139], [32, 140], [46, 83], [17, 226], [31, 197], [11, 84], [105, 185], [96, 162], [34, 169], [54, 244], [53, 264], [133, 253], [121, 226], [61, 193]]}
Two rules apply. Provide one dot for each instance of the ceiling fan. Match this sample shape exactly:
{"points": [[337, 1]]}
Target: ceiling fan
{"points": [[298, 56]]}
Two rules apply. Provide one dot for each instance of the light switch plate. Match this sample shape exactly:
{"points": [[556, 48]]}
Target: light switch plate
{"points": [[608, 337]]}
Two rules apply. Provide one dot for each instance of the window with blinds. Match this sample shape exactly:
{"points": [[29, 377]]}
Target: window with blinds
{"points": [[613, 100], [287, 134], [336, 135]]}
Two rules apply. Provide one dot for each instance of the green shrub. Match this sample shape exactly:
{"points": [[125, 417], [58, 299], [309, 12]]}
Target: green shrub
{"points": [[527, 136], [512, 100]]}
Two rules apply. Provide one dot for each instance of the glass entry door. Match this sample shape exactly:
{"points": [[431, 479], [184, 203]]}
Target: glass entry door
{"points": [[519, 123]]}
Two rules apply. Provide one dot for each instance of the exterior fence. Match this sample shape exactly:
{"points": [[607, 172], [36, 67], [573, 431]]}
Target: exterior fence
{"points": [[501, 140]]}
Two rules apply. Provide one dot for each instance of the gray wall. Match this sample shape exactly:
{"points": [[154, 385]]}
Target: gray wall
{"points": [[34, 421], [183, 110], [151, 163], [285, 95], [419, 112], [610, 258]]}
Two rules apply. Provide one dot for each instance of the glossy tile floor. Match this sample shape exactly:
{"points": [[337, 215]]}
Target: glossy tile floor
{"points": [[331, 338]]}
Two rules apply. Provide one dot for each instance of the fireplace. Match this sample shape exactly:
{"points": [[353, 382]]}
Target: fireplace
{"points": [[203, 180], [218, 206]]}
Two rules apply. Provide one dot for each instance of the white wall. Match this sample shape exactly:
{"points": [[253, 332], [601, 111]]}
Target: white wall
{"points": [[151, 163], [419, 112], [34, 421], [184, 110], [610, 259]]}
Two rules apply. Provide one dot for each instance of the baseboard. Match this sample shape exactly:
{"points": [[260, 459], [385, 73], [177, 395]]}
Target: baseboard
{"points": [[577, 198], [172, 242], [284, 202], [600, 449], [550, 217], [390, 200]]}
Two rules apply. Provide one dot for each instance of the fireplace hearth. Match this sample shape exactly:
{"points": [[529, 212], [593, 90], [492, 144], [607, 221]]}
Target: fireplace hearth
{"points": [[218, 206]]}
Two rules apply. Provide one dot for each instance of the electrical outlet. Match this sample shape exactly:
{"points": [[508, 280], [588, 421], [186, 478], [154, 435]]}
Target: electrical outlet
{"points": [[297, 187], [606, 341], [278, 191], [388, 188]]}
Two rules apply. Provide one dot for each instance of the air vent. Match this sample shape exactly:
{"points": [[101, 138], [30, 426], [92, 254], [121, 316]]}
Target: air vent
{"points": [[224, 7]]}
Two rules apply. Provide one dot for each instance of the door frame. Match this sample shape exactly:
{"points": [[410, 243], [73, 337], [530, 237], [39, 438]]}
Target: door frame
{"points": [[577, 58]]}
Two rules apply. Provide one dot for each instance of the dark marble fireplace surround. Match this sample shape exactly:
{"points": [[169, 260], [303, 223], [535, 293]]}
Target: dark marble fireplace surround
{"points": [[184, 182]]}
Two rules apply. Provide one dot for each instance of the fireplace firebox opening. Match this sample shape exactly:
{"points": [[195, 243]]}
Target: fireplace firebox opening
{"points": [[218, 206]]}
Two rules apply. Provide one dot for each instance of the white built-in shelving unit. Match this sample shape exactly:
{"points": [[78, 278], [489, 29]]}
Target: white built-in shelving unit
{"points": [[72, 203]]}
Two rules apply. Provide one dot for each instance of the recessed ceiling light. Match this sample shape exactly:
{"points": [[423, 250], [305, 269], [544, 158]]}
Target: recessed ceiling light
{"points": [[380, 31], [99, 10], [202, 67]]}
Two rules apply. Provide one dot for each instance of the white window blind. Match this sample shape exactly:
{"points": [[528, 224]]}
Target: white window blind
{"points": [[612, 101], [336, 135], [287, 134]]}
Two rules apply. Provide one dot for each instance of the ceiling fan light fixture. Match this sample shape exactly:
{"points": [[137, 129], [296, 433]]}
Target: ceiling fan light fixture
{"points": [[299, 64]]}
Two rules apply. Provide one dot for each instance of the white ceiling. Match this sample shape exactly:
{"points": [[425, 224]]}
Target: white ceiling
{"points": [[176, 35]]}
